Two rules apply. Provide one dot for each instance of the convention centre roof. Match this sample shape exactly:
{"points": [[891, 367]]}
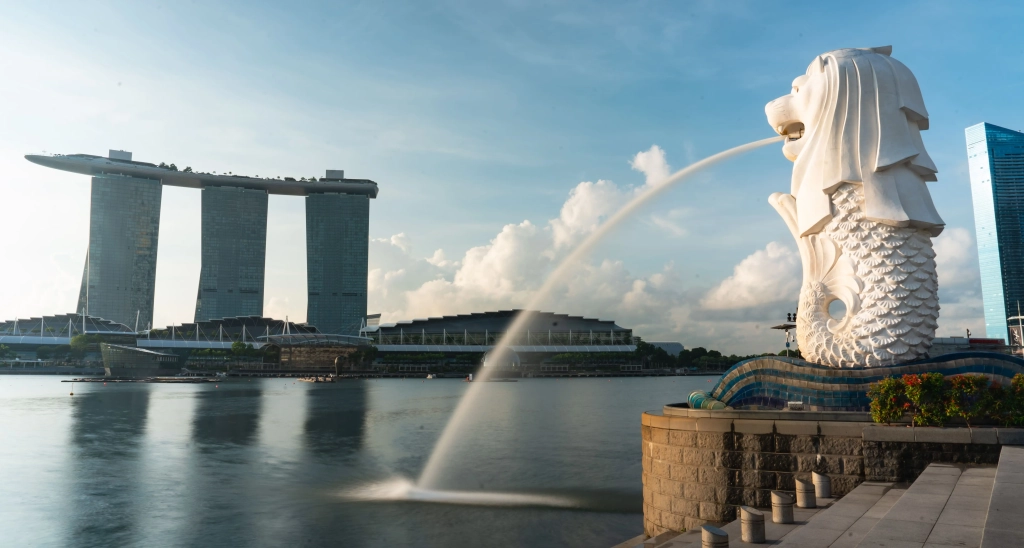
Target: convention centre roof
{"points": [[500, 320]]}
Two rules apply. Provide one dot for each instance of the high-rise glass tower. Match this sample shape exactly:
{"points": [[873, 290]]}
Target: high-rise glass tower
{"points": [[995, 157], [120, 267], [234, 252], [337, 247]]}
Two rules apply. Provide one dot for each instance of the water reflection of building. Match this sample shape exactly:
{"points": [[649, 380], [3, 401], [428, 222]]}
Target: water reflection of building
{"points": [[225, 476], [226, 415], [107, 434], [335, 418]]}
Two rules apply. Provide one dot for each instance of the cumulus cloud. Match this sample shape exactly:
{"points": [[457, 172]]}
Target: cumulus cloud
{"points": [[767, 276], [956, 260], [651, 163], [588, 205], [505, 272]]}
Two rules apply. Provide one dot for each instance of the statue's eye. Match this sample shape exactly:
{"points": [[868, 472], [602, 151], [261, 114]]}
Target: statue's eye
{"points": [[795, 89]]}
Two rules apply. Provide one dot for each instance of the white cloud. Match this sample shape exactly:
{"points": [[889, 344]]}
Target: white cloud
{"points": [[505, 272], [669, 224], [768, 275], [588, 205], [956, 258], [652, 164], [400, 240]]}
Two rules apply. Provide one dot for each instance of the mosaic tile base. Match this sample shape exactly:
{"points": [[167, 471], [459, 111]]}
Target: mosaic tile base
{"points": [[770, 382]]}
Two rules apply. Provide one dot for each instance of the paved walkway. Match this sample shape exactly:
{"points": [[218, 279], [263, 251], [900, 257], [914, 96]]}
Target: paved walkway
{"points": [[1004, 524], [948, 505]]}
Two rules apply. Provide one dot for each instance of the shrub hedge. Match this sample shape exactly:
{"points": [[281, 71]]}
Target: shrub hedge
{"points": [[933, 399]]}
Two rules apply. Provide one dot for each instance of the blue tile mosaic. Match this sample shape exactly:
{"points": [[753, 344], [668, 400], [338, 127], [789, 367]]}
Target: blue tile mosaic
{"points": [[772, 382]]}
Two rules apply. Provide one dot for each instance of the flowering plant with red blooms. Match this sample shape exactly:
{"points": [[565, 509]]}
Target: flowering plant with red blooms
{"points": [[968, 397], [887, 400], [1009, 408], [925, 394], [933, 399]]}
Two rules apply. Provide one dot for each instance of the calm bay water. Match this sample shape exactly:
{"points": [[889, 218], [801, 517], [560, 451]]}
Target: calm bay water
{"points": [[269, 462]]}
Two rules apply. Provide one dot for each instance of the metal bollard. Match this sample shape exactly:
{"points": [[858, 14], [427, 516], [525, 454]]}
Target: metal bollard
{"points": [[822, 485], [805, 495], [782, 507], [713, 537], [751, 525]]}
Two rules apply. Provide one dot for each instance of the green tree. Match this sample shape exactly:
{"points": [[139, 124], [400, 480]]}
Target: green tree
{"points": [[188, 169], [6, 352], [80, 345], [44, 352], [238, 348], [61, 352]]}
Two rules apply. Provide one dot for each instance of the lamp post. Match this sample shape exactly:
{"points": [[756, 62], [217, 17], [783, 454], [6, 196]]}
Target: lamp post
{"points": [[790, 324]]}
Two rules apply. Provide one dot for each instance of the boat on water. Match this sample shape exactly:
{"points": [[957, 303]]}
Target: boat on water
{"points": [[318, 379], [468, 379], [431, 376]]}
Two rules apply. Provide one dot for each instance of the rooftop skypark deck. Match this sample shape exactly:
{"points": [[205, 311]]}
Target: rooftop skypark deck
{"points": [[88, 164]]}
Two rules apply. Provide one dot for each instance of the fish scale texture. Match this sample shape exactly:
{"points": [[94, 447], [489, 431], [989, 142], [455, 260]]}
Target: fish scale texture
{"points": [[885, 275]]}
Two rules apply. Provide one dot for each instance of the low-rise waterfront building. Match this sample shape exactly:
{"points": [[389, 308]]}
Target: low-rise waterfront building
{"points": [[545, 340]]}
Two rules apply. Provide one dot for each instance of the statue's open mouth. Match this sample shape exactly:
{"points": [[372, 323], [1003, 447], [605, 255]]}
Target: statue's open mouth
{"points": [[792, 130]]}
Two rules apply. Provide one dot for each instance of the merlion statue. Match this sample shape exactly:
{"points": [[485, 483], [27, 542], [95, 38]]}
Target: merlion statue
{"points": [[859, 209]]}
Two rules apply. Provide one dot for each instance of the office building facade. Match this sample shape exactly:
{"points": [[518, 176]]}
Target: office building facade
{"points": [[995, 157], [234, 253], [337, 248], [119, 277]]}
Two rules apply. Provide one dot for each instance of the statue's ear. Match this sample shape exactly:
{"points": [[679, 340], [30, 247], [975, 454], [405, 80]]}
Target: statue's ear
{"points": [[882, 50]]}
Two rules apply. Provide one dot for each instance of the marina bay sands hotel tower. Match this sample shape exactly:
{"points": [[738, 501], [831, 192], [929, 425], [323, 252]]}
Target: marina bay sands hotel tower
{"points": [[119, 278]]}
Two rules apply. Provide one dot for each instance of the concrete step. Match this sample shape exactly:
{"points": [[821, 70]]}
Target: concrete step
{"points": [[945, 506], [856, 533], [1004, 521], [773, 531], [831, 524]]}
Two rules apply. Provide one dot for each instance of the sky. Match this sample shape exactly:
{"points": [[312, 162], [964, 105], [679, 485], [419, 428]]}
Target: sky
{"points": [[501, 133]]}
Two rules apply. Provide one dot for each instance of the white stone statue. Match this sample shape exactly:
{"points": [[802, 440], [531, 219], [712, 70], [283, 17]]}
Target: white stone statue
{"points": [[859, 209]]}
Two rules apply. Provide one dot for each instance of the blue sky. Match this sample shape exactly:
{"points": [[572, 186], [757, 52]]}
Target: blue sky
{"points": [[481, 122]]}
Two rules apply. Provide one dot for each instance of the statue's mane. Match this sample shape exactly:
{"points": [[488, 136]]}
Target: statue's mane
{"points": [[870, 121]]}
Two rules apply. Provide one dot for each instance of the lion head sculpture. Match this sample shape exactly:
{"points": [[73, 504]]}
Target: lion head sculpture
{"points": [[856, 117]]}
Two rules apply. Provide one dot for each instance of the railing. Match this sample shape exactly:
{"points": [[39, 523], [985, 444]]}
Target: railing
{"points": [[546, 338]]}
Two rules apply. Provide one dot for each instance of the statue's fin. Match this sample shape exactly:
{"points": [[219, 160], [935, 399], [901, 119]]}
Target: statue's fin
{"points": [[882, 50]]}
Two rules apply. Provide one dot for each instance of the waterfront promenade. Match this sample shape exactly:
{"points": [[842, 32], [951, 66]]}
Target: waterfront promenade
{"points": [[947, 505]]}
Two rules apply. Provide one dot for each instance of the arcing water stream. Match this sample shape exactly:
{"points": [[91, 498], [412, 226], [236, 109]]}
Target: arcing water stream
{"points": [[426, 489]]}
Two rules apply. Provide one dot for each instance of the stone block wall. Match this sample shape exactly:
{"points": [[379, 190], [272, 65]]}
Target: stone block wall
{"points": [[699, 466]]}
